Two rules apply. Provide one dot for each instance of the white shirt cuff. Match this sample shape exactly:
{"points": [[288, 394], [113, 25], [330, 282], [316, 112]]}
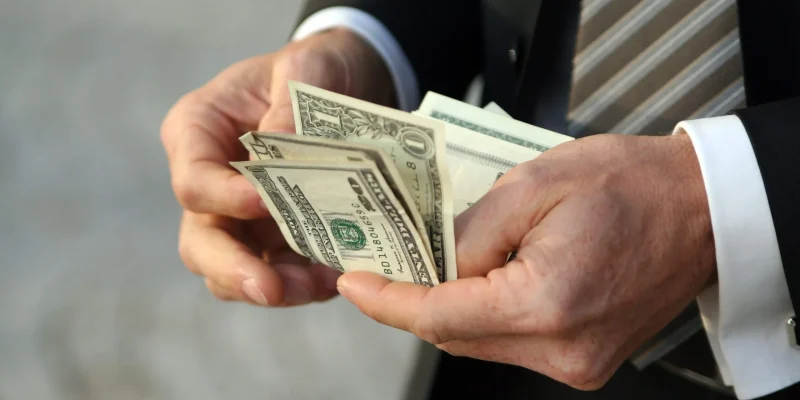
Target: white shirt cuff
{"points": [[376, 34], [745, 314]]}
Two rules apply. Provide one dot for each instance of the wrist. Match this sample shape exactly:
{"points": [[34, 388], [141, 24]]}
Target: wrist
{"points": [[693, 197]]}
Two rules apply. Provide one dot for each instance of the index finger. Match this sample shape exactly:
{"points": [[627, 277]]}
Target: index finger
{"points": [[200, 144]]}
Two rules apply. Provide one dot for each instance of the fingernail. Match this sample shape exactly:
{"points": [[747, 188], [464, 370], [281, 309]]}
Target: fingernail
{"points": [[253, 292], [343, 286], [295, 293]]}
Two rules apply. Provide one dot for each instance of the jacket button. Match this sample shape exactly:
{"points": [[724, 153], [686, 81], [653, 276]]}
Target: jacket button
{"points": [[512, 55]]}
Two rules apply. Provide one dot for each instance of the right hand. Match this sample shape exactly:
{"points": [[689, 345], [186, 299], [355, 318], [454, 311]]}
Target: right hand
{"points": [[226, 233]]}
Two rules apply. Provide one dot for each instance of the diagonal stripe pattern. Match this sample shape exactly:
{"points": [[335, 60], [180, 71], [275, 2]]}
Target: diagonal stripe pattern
{"points": [[643, 66]]}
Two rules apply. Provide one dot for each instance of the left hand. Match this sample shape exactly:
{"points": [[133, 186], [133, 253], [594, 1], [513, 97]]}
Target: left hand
{"points": [[614, 240], [227, 235]]}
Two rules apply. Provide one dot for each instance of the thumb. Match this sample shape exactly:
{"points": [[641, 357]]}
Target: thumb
{"points": [[278, 119], [318, 64], [457, 310]]}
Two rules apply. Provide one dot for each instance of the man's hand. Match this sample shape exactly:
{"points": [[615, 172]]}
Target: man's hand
{"points": [[226, 234], [614, 239]]}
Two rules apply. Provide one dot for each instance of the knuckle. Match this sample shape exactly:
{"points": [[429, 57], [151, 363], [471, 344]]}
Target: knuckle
{"points": [[313, 64], [534, 181], [186, 191], [186, 252], [585, 377], [525, 182], [593, 385], [427, 332], [307, 56], [191, 98], [168, 128], [517, 171], [525, 170], [587, 369]]}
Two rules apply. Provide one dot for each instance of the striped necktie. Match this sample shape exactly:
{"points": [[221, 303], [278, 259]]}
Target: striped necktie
{"points": [[643, 66]]}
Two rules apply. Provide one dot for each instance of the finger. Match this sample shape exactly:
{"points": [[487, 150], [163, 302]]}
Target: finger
{"points": [[462, 309], [279, 118], [303, 281], [200, 134], [218, 291], [204, 182], [209, 250], [304, 284], [230, 104], [483, 233], [326, 279], [497, 224]]}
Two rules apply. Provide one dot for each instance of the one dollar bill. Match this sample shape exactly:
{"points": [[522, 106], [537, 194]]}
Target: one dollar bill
{"points": [[477, 161], [343, 215], [495, 108], [415, 144], [271, 146], [483, 144], [489, 123]]}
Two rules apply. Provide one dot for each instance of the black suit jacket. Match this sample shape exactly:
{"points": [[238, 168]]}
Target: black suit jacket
{"points": [[449, 42]]}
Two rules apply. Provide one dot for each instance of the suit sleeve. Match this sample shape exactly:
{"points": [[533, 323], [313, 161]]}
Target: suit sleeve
{"points": [[442, 39], [768, 30], [774, 132]]}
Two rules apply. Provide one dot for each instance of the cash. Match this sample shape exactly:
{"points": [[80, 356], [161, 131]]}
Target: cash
{"points": [[489, 123], [415, 144], [476, 162], [495, 108], [483, 144], [269, 146], [362, 187], [342, 214]]}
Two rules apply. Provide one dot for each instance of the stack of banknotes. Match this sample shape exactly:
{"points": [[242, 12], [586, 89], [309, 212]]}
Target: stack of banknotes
{"points": [[362, 187]]}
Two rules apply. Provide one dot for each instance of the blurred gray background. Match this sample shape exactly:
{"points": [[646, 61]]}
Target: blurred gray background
{"points": [[94, 301]]}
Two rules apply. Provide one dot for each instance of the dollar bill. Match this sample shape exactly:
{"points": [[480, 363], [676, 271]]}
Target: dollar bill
{"points": [[416, 146], [269, 146], [483, 144], [488, 123], [343, 215], [477, 161], [494, 108]]}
